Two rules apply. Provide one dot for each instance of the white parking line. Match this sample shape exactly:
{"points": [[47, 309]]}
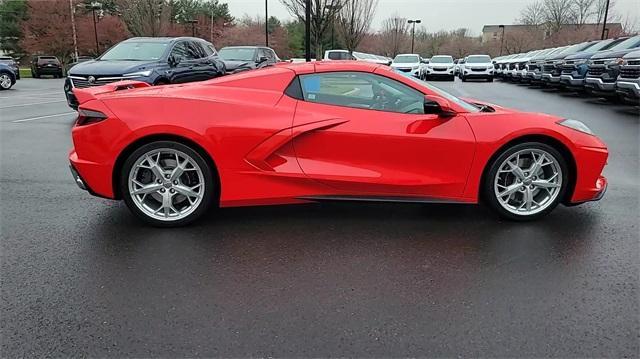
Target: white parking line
{"points": [[26, 94], [41, 117], [31, 104]]}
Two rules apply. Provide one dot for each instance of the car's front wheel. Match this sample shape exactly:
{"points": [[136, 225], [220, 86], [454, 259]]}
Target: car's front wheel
{"points": [[5, 81], [526, 181], [167, 184]]}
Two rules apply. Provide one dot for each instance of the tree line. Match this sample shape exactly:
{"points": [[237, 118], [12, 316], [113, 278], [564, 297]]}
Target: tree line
{"points": [[29, 27]]}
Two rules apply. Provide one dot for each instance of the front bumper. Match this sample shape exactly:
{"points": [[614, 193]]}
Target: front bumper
{"points": [[597, 84], [45, 70], [484, 74], [628, 88], [571, 81], [550, 78]]}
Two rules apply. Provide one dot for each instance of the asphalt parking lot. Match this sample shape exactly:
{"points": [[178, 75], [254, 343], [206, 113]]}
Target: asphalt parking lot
{"points": [[82, 277]]}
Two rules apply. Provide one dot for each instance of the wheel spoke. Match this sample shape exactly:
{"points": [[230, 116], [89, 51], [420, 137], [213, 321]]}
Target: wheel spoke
{"points": [[545, 184], [510, 190], [188, 192], [517, 171], [537, 164], [151, 188]]}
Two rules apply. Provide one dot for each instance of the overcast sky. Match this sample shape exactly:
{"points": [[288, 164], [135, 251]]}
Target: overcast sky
{"points": [[435, 14]]}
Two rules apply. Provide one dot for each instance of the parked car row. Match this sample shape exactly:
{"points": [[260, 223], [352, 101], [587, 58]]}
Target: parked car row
{"points": [[606, 68]]}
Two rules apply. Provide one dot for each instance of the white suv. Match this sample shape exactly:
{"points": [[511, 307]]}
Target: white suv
{"points": [[477, 67], [441, 66], [411, 63]]}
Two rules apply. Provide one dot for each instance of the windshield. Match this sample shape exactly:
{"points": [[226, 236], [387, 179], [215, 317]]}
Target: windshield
{"points": [[627, 44], [478, 59], [464, 104], [136, 51], [442, 60], [406, 59], [237, 53]]}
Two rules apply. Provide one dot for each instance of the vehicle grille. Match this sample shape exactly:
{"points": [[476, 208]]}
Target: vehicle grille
{"points": [[567, 69], [532, 67], [630, 72], [596, 70], [83, 82], [439, 69], [634, 62], [512, 66], [548, 67], [478, 69]]}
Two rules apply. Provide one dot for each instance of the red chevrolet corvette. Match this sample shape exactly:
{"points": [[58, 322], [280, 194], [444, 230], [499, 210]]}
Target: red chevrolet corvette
{"points": [[297, 133]]}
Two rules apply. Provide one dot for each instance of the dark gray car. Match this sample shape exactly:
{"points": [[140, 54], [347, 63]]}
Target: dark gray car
{"points": [[243, 58]]}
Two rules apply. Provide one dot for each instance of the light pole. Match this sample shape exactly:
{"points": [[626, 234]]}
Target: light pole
{"points": [[604, 22], [413, 31], [95, 6], [266, 23], [501, 38], [307, 30]]}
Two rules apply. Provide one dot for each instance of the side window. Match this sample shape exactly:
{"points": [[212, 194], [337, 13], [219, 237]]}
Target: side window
{"points": [[180, 51], [271, 55], [361, 90], [195, 49], [208, 49]]}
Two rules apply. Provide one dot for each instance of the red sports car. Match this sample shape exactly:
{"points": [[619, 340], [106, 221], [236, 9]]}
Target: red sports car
{"points": [[296, 133]]}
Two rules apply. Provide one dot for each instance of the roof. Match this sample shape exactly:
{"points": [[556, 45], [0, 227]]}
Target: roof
{"points": [[161, 39]]}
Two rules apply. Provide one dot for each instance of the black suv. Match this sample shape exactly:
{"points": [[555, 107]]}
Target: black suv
{"points": [[574, 68], [604, 67], [154, 60], [242, 58], [552, 67], [45, 65]]}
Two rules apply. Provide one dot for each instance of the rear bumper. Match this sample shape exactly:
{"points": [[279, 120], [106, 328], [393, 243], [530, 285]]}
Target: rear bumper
{"points": [[49, 70]]}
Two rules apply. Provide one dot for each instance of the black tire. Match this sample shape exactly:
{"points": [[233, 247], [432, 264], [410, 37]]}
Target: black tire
{"points": [[487, 190], [464, 79], [11, 79], [209, 195], [490, 79]]}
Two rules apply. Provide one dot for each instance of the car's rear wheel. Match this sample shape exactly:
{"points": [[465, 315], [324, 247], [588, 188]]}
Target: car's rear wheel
{"points": [[5, 81], [526, 181], [167, 184]]}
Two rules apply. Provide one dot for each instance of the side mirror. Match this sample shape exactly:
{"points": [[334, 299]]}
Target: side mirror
{"points": [[437, 105], [262, 59]]}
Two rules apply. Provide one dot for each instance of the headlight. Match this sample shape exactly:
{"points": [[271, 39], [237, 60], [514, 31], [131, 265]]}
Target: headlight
{"points": [[138, 74], [576, 125]]}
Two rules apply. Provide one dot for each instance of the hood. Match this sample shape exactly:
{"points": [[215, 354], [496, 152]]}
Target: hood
{"points": [[110, 67], [581, 55], [633, 55], [235, 64], [611, 53]]}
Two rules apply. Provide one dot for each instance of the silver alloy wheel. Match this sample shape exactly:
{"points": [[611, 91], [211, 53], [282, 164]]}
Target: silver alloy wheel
{"points": [[528, 181], [166, 184], [5, 81]]}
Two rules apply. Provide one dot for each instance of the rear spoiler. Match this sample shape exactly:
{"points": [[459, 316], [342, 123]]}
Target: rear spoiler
{"points": [[91, 93]]}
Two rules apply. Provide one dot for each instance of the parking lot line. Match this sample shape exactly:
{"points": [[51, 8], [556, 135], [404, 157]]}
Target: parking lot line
{"points": [[31, 104], [42, 117]]}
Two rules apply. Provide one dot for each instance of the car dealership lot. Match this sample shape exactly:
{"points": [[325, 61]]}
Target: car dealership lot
{"points": [[81, 276]]}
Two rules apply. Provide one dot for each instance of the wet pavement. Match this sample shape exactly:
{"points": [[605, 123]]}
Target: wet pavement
{"points": [[82, 277]]}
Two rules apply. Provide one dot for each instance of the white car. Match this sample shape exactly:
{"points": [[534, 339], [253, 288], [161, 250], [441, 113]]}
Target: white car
{"points": [[477, 67], [411, 63], [441, 66]]}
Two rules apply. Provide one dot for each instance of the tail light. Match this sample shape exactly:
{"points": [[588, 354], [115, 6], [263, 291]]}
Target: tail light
{"points": [[87, 117]]}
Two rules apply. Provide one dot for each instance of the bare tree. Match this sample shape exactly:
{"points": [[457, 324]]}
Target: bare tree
{"points": [[322, 14], [354, 21], [599, 10], [533, 14], [394, 34], [145, 17], [582, 11], [557, 13]]}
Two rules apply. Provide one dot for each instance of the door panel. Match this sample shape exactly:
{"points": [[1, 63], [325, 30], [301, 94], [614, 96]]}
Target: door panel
{"points": [[385, 153]]}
